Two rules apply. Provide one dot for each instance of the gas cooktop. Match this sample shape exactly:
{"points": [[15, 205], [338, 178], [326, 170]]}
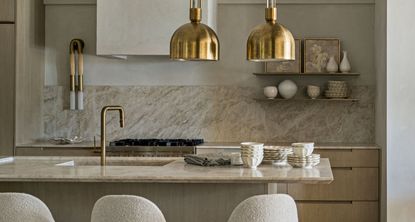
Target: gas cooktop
{"points": [[153, 147]]}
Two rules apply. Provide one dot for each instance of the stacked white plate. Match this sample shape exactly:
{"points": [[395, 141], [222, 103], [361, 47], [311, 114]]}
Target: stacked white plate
{"points": [[252, 154], [303, 161], [277, 154], [337, 89]]}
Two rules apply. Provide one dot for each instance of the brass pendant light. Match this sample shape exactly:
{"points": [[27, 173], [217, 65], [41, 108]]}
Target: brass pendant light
{"points": [[270, 41], [194, 41]]}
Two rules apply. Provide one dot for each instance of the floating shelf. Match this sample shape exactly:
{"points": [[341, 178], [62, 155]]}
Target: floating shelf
{"points": [[304, 99], [308, 74]]}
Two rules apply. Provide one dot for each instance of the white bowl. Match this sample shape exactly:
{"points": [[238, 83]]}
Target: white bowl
{"points": [[251, 162], [252, 145], [303, 149], [271, 92]]}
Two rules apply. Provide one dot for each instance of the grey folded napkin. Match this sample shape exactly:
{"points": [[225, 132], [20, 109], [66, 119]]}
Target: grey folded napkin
{"points": [[203, 160]]}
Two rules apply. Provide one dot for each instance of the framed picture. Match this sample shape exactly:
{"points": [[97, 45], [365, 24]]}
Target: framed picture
{"points": [[286, 66], [317, 53]]}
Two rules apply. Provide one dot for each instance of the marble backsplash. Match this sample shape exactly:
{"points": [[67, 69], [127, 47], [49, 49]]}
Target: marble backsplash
{"points": [[215, 113]]}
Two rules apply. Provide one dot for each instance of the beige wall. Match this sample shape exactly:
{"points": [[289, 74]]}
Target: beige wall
{"points": [[64, 22], [400, 111]]}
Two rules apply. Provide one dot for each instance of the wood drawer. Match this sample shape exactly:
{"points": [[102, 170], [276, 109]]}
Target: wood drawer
{"points": [[338, 211], [55, 152], [349, 184], [350, 158]]}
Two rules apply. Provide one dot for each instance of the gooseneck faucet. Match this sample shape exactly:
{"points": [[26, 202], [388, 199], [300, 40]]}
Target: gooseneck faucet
{"points": [[103, 128]]}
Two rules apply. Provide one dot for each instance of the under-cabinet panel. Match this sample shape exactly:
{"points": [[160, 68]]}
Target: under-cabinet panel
{"points": [[349, 184], [350, 158], [338, 211]]}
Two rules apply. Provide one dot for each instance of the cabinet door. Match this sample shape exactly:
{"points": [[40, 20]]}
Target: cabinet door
{"points": [[338, 211], [7, 10], [7, 89], [73, 151], [351, 157], [349, 184]]}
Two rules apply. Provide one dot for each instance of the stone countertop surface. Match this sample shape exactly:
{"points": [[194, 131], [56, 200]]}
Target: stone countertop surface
{"points": [[163, 170], [212, 145], [227, 145]]}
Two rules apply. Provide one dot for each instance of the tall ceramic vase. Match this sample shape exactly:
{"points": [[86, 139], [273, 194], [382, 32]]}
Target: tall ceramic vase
{"points": [[332, 66], [345, 66]]}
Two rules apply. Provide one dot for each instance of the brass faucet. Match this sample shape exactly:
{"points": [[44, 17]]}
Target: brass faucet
{"points": [[103, 128]]}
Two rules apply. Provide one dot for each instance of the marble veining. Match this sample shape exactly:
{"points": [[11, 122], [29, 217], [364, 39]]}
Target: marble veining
{"points": [[215, 113], [170, 170]]}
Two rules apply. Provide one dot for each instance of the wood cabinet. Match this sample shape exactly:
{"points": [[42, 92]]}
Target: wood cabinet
{"points": [[350, 157], [70, 151], [353, 196], [7, 10], [144, 27], [352, 211], [7, 88], [348, 184]]}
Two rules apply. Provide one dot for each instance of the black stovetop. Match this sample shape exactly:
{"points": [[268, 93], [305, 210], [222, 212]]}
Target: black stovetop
{"points": [[157, 142]]}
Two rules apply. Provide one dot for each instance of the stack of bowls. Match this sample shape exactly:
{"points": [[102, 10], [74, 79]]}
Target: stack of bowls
{"points": [[252, 154], [304, 161], [277, 154], [337, 89], [303, 156]]}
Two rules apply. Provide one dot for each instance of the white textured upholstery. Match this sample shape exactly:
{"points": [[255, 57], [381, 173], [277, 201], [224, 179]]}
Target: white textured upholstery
{"points": [[23, 207], [126, 208], [266, 208]]}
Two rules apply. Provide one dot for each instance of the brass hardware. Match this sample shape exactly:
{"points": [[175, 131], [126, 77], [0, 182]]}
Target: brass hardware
{"points": [[195, 15], [270, 41], [194, 41], [271, 15], [76, 45], [103, 128]]}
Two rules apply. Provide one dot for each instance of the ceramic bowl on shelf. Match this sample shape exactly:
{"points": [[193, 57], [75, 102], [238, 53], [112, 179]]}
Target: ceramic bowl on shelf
{"points": [[271, 92], [313, 91]]}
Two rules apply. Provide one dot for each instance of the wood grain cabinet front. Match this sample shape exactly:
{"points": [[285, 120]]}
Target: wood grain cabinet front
{"points": [[7, 88], [349, 184], [350, 157], [352, 196], [7, 10], [73, 151], [338, 211]]}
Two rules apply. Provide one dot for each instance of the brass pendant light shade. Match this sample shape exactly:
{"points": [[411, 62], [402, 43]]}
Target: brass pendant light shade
{"points": [[270, 41], [194, 41]]}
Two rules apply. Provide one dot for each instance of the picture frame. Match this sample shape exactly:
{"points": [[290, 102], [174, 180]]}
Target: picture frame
{"points": [[317, 52], [286, 67]]}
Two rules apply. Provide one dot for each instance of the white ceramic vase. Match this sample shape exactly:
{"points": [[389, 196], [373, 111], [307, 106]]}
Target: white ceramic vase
{"points": [[345, 66], [271, 92], [332, 66], [287, 89]]}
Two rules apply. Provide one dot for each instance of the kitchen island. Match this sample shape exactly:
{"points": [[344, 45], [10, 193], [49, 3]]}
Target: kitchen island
{"points": [[183, 192]]}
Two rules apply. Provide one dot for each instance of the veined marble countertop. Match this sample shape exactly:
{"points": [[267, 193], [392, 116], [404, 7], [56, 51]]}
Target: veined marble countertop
{"points": [[163, 170], [231, 145], [218, 145]]}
